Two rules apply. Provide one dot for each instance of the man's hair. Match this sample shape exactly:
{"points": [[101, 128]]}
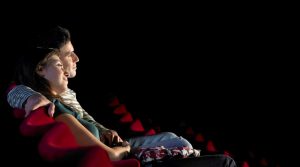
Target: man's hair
{"points": [[55, 38]]}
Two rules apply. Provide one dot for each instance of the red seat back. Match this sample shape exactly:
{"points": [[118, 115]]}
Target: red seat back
{"points": [[37, 123]]}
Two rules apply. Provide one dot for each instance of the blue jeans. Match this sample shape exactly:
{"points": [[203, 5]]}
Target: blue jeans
{"points": [[166, 139]]}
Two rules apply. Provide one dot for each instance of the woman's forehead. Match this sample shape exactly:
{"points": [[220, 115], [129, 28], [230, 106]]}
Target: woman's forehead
{"points": [[52, 58]]}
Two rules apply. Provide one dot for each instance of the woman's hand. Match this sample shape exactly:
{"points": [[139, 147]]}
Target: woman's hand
{"points": [[122, 151]]}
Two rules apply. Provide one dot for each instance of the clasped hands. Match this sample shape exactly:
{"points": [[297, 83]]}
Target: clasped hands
{"points": [[112, 139]]}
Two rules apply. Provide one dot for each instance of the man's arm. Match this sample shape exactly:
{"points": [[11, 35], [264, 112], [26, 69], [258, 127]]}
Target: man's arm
{"points": [[23, 97], [107, 136], [18, 95], [90, 119]]}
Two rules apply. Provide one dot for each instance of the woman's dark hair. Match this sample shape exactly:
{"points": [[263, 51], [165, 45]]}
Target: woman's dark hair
{"points": [[43, 41], [26, 71]]}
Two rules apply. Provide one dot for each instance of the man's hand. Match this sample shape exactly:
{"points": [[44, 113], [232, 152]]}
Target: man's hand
{"points": [[110, 137], [37, 100]]}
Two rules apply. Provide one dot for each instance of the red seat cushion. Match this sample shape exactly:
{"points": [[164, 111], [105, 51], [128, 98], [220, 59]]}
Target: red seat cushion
{"points": [[38, 122], [19, 113], [127, 163], [96, 157], [57, 142]]}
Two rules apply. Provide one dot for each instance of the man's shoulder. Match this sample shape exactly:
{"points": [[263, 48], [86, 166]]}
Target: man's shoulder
{"points": [[69, 92]]}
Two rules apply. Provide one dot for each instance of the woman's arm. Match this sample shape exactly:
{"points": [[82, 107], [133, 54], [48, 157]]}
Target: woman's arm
{"points": [[86, 138]]}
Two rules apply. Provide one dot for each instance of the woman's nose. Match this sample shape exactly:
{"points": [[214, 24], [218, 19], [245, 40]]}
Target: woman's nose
{"points": [[66, 74]]}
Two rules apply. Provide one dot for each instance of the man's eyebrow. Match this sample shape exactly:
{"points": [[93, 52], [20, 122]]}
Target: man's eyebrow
{"points": [[66, 53]]}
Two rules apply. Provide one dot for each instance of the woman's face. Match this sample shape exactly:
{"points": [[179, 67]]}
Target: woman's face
{"points": [[53, 71]]}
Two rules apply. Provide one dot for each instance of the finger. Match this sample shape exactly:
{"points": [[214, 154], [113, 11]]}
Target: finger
{"points": [[111, 140], [51, 109], [107, 137], [28, 108], [115, 139], [102, 139], [125, 143], [119, 139], [41, 104], [35, 106], [115, 134], [26, 113]]}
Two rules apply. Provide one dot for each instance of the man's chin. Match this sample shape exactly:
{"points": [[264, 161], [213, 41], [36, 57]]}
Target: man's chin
{"points": [[72, 75]]}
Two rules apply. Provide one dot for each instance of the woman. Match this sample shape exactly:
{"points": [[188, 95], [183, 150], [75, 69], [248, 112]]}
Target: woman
{"points": [[42, 70]]}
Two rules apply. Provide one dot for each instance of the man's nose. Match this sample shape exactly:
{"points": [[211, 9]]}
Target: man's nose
{"points": [[75, 57]]}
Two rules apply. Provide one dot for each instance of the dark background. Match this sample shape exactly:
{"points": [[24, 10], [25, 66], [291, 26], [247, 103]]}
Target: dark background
{"points": [[217, 74]]}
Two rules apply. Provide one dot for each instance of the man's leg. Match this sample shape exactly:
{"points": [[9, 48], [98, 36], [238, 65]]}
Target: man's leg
{"points": [[166, 139], [203, 161]]}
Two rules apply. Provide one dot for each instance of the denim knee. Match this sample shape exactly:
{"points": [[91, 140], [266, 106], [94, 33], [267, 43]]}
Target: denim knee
{"points": [[186, 143], [170, 135]]}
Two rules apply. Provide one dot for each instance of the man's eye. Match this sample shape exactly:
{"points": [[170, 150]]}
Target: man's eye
{"points": [[64, 54], [69, 54]]}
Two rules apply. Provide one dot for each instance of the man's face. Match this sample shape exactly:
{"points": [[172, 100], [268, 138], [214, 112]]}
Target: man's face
{"points": [[69, 59]]}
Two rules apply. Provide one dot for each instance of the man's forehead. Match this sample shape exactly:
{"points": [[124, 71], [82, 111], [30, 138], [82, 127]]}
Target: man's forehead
{"points": [[68, 47]]}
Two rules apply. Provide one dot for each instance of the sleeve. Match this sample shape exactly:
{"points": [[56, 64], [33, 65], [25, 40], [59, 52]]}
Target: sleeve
{"points": [[18, 95], [90, 119]]}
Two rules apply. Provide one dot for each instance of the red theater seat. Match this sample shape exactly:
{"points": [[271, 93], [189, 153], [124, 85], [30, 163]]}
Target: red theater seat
{"points": [[37, 123], [58, 143]]}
